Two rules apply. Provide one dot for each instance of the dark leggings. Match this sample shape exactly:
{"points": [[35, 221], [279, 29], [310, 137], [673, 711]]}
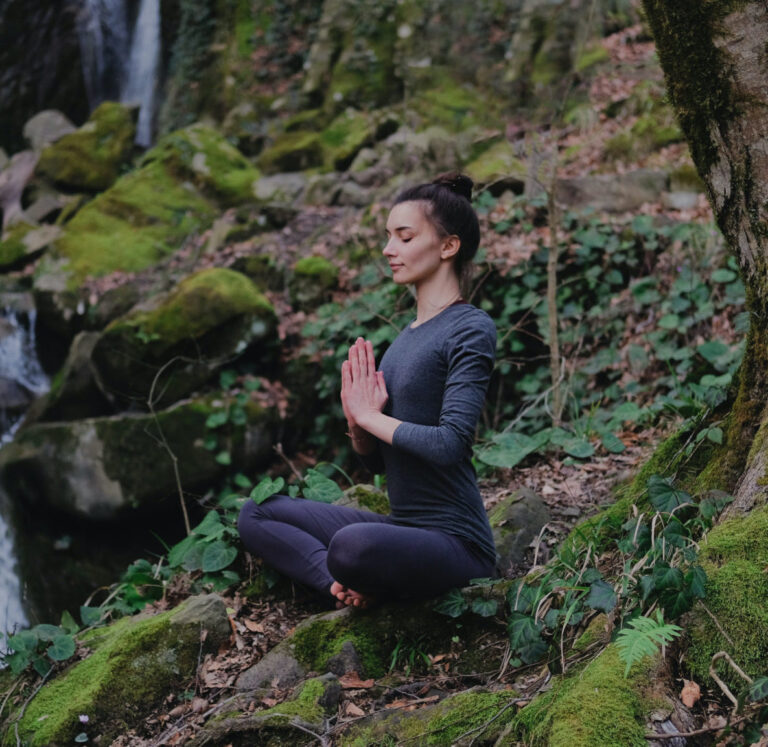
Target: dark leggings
{"points": [[319, 543]]}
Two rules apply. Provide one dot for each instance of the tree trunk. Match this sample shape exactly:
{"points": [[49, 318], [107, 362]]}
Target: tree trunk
{"points": [[715, 59]]}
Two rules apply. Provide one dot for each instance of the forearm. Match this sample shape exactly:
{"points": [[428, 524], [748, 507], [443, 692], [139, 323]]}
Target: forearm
{"points": [[363, 443], [378, 424]]}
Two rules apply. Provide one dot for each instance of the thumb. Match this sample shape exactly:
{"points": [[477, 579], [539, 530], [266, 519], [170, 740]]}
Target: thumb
{"points": [[380, 382]]}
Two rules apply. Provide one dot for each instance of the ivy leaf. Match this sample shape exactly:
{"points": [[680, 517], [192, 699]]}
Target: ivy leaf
{"points": [[318, 487], [242, 481], [24, 642], [696, 581], [211, 524], [18, 662], [580, 448], [601, 596], [193, 558], [612, 443], [509, 449], [179, 550], [525, 638], [758, 690], [667, 578], [62, 648], [663, 496], [647, 586], [68, 623], [452, 604], [266, 488], [521, 597], [41, 666], [485, 607], [218, 555], [90, 615], [224, 458], [46, 632], [676, 602]]}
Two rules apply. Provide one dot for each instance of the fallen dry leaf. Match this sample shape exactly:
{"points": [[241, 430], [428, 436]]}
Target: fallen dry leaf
{"points": [[690, 693], [353, 711], [253, 626], [352, 681]]}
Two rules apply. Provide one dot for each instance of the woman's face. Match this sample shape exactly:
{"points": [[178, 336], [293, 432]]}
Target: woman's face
{"points": [[413, 247]]}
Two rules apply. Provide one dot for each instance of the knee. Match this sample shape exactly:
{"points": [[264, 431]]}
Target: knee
{"points": [[347, 553], [250, 515]]}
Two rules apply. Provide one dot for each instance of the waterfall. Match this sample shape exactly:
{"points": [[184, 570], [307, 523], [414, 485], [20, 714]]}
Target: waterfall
{"points": [[120, 63], [142, 68], [21, 379]]}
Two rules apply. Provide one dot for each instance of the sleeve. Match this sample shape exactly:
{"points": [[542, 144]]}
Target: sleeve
{"points": [[470, 354]]}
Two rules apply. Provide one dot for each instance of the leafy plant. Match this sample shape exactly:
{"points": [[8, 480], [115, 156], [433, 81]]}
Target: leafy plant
{"points": [[41, 647], [642, 637]]}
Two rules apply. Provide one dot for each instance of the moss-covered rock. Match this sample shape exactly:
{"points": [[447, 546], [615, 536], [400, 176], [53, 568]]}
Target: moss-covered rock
{"points": [[134, 665], [475, 714], [344, 137], [734, 555], [91, 158], [366, 497], [596, 706], [283, 724], [209, 318], [203, 156], [292, 151], [103, 468], [516, 521], [313, 279], [497, 162], [13, 250]]}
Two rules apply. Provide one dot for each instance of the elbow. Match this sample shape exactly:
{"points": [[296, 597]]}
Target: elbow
{"points": [[452, 450]]}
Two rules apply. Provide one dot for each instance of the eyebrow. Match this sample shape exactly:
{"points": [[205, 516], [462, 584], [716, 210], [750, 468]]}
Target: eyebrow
{"points": [[401, 228]]}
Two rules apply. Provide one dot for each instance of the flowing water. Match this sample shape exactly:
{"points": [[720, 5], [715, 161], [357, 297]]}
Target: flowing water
{"points": [[121, 62], [21, 376]]}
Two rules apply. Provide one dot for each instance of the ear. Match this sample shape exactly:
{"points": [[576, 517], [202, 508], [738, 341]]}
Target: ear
{"points": [[450, 248]]}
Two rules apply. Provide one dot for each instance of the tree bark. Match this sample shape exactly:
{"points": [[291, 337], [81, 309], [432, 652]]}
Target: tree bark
{"points": [[715, 59]]}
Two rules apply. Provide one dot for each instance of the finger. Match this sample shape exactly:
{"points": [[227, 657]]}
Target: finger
{"points": [[362, 355], [381, 383], [354, 361], [369, 357], [346, 375]]}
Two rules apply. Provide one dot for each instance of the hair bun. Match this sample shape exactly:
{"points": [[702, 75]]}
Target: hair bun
{"points": [[458, 183]]}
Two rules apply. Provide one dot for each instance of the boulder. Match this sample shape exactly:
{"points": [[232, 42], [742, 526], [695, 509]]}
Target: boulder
{"points": [[46, 127], [134, 664], [312, 282], [279, 188], [179, 188], [612, 193], [207, 319], [91, 157], [498, 163], [516, 521], [104, 468], [13, 179]]}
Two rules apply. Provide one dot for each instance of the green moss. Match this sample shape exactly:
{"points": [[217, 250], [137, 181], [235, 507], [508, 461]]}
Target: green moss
{"points": [[595, 632], [144, 217], [12, 247], [685, 178], [292, 151], [133, 667], [91, 157], [305, 705], [202, 155], [591, 55], [651, 131], [319, 640], [319, 269], [481, 714], [734, 556], [594, 707], [366, 496], [200, 303], [344, 137], [497, 161]]}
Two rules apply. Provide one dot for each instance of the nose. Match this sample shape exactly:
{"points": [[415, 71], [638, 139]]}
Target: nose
{"points": [[388, 249]]}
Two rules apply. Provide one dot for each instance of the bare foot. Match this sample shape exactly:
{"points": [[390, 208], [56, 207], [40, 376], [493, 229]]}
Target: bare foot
{"points": [[349, 597]]}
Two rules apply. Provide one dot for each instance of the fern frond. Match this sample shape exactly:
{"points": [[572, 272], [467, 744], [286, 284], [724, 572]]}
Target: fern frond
{"points": [[642, 637]]}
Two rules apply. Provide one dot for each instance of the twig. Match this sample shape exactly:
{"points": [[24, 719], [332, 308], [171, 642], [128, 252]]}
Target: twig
{"points": [[26, 703], [278, 448], [717, 624], [8, 694], [721, 684], [697, 732]]}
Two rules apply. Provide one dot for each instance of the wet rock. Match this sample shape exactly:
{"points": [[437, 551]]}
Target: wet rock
{"points": [[347, 660], [279, 188], [516, 522], [24, 243], [46, 127], [275, 669], [45, 206], [104, 468], [13, 179], [210, 318], [14, 396], [134, 664]]}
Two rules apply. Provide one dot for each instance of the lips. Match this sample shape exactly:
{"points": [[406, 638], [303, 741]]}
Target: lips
{"points": [[394, 267]]}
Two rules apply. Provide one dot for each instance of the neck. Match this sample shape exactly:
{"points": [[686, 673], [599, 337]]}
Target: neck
{"points": [[434, 295]]}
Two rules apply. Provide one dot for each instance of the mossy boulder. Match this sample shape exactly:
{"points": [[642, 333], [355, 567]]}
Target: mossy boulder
{"points": [[344, 137], [13, 248], [104, 468], [516, 521], [181, 185], [91, 158], [477, 714], [734, 555], [285, 724], [207, 319], [135, 663], [497, 162], [313, 279], [203, 156], [292, 151], [593, 706]]}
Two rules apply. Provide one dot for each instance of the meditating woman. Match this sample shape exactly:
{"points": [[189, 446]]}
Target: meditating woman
{"points": [[414, 419]]}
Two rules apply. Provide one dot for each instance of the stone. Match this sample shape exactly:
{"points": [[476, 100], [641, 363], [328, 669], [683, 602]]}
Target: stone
{"points": [[516, 521], [280, 188], [347, 660], [353, 195], [612, 193], [110, 467], [46, 127], [13, 179], [322, 189], [209, 318], [14, 396], [91, 157], [134, 663], [680, 200], [312, 282], [498, 163], [274, 669], [44, 207]]}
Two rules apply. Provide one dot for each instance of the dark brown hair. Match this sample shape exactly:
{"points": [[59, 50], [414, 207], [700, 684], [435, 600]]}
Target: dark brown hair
{"points": [[449, 209]]}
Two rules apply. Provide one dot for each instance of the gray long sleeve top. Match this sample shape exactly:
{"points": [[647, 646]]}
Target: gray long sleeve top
{"points": [[437, 376]]}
